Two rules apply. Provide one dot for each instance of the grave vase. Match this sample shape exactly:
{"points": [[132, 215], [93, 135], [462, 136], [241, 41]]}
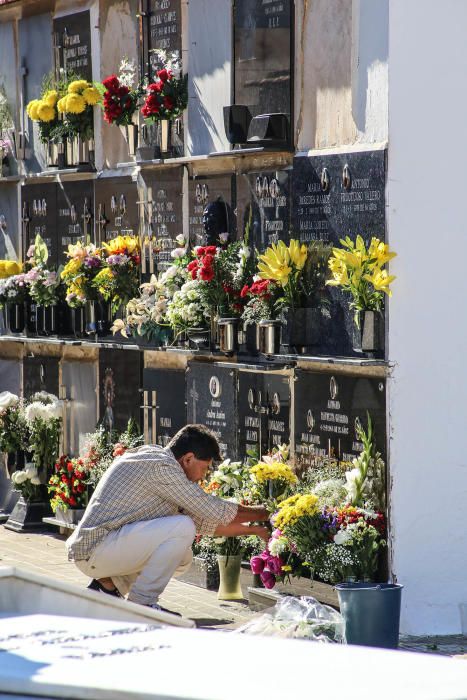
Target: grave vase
{"points": [[229, 573], [27, 514], [46, 320], [130, 134], [370, 333], [228, 335], [16, 318], [269, 334], [301, 329], [69, 516], [165, 138]]}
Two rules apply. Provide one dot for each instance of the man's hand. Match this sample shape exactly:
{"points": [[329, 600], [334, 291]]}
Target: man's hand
{"points": [[250, 514], [239, 529], [260, 531]]}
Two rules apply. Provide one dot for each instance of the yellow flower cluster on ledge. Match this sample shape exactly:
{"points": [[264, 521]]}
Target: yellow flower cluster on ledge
{"points": [[279, 261], [80, 95], [8, 268], [44, 109], [273, 471], [294, 508]]}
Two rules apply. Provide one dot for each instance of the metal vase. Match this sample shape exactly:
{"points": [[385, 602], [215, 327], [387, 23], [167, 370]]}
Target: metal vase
{"points": [[228, 335], [130, 134], [90, 326], [16, 318], [61, 154], [165, 137], [82, 151], [46, 320], [269, 337], [371, 326]]}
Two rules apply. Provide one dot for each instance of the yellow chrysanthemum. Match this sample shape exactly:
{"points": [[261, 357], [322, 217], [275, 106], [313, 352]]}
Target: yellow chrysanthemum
{"points": [[75, 104], [104, 276], [45, 113], [273, 471], [31, 109], [61, 105], [71, 267], [298, 254], [294, 508], [77, 86], [9, 268], [92, 96], [121, 245], [50, 98]]}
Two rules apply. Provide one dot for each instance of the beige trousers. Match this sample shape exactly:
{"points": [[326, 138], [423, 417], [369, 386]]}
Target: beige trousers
{"points": [[142, 557]]}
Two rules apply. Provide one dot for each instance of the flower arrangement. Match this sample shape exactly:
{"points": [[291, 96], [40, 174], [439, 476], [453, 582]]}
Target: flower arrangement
{"points": [[68, 484], [365, 482], [8, 268], [100, 449], [43, 283], [361, 272], [271, 482], [228, 479], [14, 434], [76, 107], [28, 482], [79, 273], [13, 290], [118, 279], [187, 308], [44, 420], [284, 265], [167, 96], [44, 111], [121, 95], [272, 564], [260, 299]]}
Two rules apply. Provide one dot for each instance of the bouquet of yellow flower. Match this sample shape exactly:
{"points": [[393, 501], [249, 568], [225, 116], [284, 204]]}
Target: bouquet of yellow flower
{"points": [[284, 265], [272, 481], [76, 107], [361, 272], [44, 112], [118, 279], [84, 264]]}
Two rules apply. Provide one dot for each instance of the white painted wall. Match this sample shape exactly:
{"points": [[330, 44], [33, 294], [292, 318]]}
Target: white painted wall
{"points": [[209, 74], [427, 188]]}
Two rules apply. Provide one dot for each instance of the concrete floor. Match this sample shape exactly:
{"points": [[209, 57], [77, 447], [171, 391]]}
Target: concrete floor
{"points": [[44, 553]]}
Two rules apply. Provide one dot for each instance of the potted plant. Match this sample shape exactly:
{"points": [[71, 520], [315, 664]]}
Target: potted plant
{"points": [[68, 488], [166, 98], [361, 272], [121, 95]]}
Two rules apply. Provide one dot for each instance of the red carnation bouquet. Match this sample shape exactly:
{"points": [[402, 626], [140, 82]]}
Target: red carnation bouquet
{"points": [[222, 271], [121, 95], [68, 484], [167, 95]]}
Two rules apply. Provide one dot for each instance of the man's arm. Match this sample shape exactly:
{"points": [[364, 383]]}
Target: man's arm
{"points": [[248, 514], [238, 529]]}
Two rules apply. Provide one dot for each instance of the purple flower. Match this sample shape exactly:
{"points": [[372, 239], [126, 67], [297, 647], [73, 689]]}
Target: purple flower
{"points": [[275, 565], [257, 565], [118, 259], [268, 579], [92, 262]]}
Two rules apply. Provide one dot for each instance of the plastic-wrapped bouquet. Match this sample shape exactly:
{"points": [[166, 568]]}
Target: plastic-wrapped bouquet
{"points": [[118, 279], [14, 433], [44, 415], [43, 282], [68, 484]]}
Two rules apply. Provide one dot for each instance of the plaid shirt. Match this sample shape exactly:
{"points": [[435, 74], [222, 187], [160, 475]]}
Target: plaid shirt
{"points": [[145, 484]]}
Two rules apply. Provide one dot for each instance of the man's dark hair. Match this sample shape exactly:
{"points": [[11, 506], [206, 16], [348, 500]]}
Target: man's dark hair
{"points": [[197, 439]]}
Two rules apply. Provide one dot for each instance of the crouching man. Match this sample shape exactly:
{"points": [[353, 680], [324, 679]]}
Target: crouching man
{"points": [[138, 528]]}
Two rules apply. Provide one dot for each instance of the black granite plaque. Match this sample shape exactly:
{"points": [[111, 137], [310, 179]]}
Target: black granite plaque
{"points": [[39, 205], [327, 410], [211, 203], [74, 215], [263, 411], [116, 208], [263, 48], [263, 206], [165, 213], [72, 43], [40, 374], [119, 387], [164, 407], [339, 195], [165, 25], [211, 400]]}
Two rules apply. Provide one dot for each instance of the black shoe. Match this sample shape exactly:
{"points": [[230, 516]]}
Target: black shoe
{"points": [[94, 585], [156, 606]]}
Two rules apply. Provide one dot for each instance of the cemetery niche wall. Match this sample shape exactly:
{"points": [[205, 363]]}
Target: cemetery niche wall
{"points": [[116, 208], [211, 396], [327, 410], [263, 205], [164, 404], [212, 203], [120, 375], [334, 196], [72, 44]]}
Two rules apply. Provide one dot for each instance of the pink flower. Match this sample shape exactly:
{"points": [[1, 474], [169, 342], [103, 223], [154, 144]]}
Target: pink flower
{"points": [[276, 534], [268, 579], [275, 565], [265, 555], [257, 565]]}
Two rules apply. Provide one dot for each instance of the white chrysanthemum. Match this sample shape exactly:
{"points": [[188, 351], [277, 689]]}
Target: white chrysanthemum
{"points": [[277, 546], [30, 471], [7, 400], [35, 481], [19, 477]]}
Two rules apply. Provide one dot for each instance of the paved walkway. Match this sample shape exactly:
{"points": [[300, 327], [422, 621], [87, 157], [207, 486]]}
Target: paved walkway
{"points": [[44, 553]]}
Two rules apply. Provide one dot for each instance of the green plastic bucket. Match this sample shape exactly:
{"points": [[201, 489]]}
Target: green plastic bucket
{"points": [[371, 612]]}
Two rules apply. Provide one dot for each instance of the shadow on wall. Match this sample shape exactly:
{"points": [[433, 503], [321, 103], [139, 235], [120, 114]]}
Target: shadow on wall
{"points": [[202, 139], [371, 37]]}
